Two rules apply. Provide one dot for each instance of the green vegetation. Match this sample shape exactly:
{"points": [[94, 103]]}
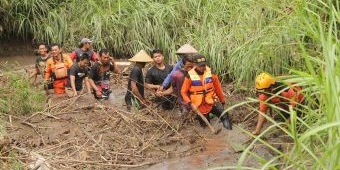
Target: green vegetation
{"points": [[240, 38], [14, 164], [17, 97], [315, 135]]}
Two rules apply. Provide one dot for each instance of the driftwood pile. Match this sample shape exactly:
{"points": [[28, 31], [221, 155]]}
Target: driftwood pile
{"points": [[74, 134]]}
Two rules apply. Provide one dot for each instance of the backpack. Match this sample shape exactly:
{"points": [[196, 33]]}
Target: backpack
{"points": [[80, 53]]}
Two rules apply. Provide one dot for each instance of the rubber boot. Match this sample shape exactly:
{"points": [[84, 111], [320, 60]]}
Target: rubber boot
{"points": [[201, 122], [226, 121]]}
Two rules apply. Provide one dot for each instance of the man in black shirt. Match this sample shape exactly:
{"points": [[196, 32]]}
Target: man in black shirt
{"points": [[135, 92], [78, 73], [100, 72], [40, 62], [155, 77]]}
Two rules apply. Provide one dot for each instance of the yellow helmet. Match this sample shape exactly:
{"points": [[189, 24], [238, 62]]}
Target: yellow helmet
{"points": [[263, 81]]}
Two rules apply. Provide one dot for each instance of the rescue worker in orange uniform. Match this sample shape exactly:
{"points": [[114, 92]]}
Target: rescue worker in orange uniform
{"points": [[202, 90], [57, 68], [284, 95]]}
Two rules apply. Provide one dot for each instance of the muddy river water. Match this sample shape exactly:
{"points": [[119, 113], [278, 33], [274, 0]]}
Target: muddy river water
{"points": [[217, 153]]}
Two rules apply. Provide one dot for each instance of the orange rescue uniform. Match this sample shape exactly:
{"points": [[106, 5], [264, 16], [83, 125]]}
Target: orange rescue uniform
{"points": [[291, 96], [57, 69], [193, 86]]}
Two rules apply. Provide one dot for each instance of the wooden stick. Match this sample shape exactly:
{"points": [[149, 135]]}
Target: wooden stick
{"points": [[96, 142], [51, 116], [207, 122], [30, 117], [105, 164]]}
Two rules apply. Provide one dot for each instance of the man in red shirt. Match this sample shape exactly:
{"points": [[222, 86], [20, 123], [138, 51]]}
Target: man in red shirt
{"points": [[284, 95], [85, 47], [202, 90]]}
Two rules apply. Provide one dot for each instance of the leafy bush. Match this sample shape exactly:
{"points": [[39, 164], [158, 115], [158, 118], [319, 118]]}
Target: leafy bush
{"points": [[18, 97], [239, 37]]}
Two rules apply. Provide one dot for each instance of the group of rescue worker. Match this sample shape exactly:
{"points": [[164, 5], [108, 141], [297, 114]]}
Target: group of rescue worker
{"points": [[190, 84]]}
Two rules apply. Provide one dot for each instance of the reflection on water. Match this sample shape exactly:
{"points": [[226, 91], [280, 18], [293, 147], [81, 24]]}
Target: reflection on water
{"points": [[217, 153], [18, 60], [16, 52]]}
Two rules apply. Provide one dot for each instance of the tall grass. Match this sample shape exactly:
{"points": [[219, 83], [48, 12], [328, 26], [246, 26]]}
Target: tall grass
{"points": [[239, 37], [315, 136], [17, 97]]}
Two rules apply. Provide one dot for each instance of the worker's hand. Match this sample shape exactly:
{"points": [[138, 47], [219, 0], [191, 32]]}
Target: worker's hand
{"points": [[161, 88], [99, 93], [159, 93], [145, 103], [74, 93]]}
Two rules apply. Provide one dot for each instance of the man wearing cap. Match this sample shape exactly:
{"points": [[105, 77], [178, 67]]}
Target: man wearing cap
{"points": [[84, 47], [202, 90], [185, 52], [135, 92], [100, 72]]}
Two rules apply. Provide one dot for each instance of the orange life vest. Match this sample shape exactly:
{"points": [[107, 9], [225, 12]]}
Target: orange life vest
{"points": [[59, 69], [201, 90]]}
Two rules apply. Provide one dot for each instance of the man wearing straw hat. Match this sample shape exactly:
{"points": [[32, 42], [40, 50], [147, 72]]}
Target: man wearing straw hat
{"points": [[185, 52], [135, 92]]}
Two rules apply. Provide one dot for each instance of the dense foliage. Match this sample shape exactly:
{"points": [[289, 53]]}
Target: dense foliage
{"points": [[240, 38]]}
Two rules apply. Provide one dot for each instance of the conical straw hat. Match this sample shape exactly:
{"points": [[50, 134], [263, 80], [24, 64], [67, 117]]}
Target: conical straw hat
{"points": [[141, 56], [186, 49]]}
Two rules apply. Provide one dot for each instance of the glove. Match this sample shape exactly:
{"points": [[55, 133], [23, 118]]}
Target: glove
{"points": [[226, 121]]}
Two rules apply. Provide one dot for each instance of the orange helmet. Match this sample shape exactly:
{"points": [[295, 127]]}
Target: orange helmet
{"points": [[263, 81]]}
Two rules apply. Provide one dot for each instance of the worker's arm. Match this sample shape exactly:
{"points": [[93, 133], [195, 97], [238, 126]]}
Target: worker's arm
{"points": [[87, 85], [135, 91], [94, 57], [73, 84], [261, 119], [73, 55], [148, 81], [152, 86], [69, 62], [92, 75], [48, 69], [185, 89], [168, 78], [168, 91], [114, 66]]}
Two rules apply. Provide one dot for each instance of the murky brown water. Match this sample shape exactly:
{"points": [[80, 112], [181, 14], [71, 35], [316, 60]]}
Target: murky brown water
{"points": [[218, 151], [17, 61]]}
